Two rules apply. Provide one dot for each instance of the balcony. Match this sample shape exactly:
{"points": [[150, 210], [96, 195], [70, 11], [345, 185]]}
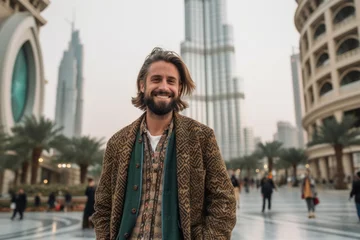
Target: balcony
{"points": [[344, 23], [321, 70], [349, 88], [327, 97], [354, 52]]}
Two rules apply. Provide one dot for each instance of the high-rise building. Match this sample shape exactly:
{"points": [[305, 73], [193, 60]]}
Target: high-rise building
{"points": [[69, 96], [249, 141], [287, 134], [22, 82], [298, 99], [330, 59], [209, 52]]}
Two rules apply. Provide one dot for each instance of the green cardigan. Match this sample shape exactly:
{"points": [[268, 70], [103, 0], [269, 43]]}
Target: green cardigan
{"points": [[170, 210]]}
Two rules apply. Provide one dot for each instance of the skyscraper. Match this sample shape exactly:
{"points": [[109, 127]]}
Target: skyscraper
{"points": [[249, 141], [69, 96], [287, 134], [298, 99], [209, 52]]}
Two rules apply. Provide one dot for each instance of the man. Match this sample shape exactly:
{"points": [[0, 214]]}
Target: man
{"points": [[20, 201], [163, 176], [355, 191], [267, 187], [236, 185], [89, 207]]}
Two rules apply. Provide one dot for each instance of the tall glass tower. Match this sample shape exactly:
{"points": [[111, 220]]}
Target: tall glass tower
{"points": [[69, 96], [209, 52]]}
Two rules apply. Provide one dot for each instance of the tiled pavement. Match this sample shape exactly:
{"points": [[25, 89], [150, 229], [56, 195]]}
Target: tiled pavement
{"points": [[336, 219]]}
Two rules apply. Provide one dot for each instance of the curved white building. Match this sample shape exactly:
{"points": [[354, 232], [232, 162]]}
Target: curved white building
{"points": [[330, 60], [21, 64]]}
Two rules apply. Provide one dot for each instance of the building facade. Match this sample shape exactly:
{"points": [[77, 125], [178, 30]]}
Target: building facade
{"points": [[287, 134], [330, 60], [69, 95], [249, 141], [298, 98], [22, 82], [208, 51]]}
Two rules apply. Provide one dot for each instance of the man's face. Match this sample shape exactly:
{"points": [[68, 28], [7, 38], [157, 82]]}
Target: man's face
{"points": [[161, 90]]}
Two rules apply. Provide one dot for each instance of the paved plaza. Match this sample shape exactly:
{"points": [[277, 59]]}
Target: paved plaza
{"points": [[336, 219]]}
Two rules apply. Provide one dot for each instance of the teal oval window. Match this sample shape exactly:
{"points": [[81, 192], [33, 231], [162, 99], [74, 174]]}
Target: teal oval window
{"points": [[19, 85]]}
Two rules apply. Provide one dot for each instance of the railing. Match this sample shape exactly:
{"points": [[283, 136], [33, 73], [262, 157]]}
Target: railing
{"points": [[345, 22], [319, 38], [348, 54], [323, 68], [348, 88], [327, 96]]}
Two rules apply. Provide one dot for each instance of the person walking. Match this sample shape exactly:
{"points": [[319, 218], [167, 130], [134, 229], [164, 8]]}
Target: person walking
{"points": [[89, 207], [266, 191], [309, 193], [355, 191], [51, 201], [21, 202], [237, 188], [68, 201], [163, 176]]}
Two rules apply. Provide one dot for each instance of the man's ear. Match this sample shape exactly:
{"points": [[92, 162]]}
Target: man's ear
{"points": [[142, 86]]}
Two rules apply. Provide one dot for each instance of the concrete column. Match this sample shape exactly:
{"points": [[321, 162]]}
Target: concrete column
{"points": [[323, 171], [347, 164], [332, 52], [338, 116], [315, 169]]}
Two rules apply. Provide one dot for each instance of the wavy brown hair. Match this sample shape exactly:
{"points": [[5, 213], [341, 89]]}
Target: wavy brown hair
{"points": [[187, 85]]}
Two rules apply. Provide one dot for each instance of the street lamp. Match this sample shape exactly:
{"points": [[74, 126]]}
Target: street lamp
{"points": [[307, 165], [40, 160], [265, 166], [257, 170]]}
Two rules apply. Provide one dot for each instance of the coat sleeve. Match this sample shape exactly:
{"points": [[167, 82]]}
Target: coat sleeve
{"points": [[103, 197], [220, 200]]}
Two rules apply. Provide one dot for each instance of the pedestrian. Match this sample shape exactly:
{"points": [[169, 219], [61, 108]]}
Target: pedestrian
{"points": [[51, 201], [21, 202], [266, 191], [163, 176], [246, 184], [89, 206], [355, 191], [309, 193], [37, 201], [236, 185], [68, 201]]}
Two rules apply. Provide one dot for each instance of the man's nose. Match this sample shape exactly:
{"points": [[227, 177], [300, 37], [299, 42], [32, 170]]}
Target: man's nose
{"points": [[163, 84]]}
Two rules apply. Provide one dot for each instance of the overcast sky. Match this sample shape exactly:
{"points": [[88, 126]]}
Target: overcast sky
{"points": [[118, 34]]}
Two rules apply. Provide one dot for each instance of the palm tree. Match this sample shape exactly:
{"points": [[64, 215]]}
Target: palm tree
{"points": [[270, 150], [339, 135], [38, 135], [282, 164], [20, 154], [84, 151], [250, 163], [294, 157]]}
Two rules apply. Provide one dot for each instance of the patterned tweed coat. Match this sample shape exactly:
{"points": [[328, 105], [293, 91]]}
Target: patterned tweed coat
{"points": [[206, 196]]}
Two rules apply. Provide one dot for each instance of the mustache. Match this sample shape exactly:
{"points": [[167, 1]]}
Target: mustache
{"points": [[162, 92]]}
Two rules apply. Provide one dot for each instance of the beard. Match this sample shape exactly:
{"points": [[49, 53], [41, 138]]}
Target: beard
{"points": [[160, 108]]}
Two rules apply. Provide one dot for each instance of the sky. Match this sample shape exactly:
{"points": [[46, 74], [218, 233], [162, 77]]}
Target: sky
{"points": [[119, 34]]}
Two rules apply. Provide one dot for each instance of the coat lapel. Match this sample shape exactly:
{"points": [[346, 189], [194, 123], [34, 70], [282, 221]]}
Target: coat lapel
{"points": [[123, 158], [183, 173]]}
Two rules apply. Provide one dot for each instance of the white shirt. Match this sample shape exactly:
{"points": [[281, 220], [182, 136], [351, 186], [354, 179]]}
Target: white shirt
{"points": [[154, 140]]}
